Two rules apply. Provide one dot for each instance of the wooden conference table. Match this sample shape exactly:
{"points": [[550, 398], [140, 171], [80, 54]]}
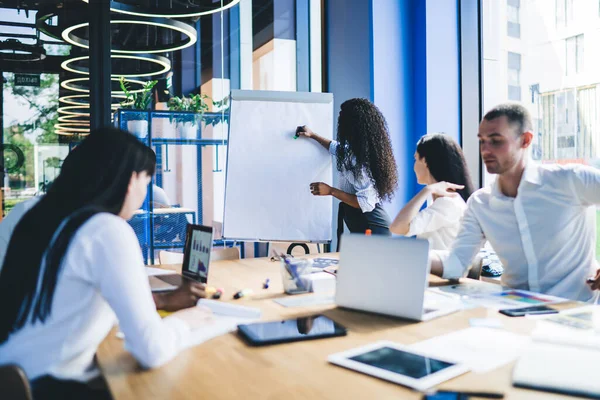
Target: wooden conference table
{"points": [[226, 368]]}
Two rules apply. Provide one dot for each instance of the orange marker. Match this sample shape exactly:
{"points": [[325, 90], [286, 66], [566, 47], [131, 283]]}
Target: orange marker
{"points": [[368, 232]]}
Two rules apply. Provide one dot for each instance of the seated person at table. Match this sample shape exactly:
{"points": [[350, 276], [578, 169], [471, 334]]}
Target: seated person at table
{"points": [[184, 297], [73, 264], [540, 219], [441, 166]]}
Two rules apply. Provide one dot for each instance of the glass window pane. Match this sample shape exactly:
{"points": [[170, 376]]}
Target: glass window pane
{"points": [[513, 29], [512, 14]]}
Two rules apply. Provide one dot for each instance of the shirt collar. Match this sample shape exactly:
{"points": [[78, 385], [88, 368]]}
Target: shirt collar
{"points": [[531, 174]]}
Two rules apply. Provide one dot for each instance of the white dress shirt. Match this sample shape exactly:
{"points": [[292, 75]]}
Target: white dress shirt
{"points": [[362, 186], [545, 236], [102, 274], [439, 222], [8, 224]]}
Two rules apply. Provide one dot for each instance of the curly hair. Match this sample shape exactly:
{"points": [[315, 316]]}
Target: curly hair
{"points": [[365, 144]]}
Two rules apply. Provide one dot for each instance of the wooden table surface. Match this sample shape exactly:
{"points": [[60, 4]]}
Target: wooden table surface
{"points": [[226, 368]]}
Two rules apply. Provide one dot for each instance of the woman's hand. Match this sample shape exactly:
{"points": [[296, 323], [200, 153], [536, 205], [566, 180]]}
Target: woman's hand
{"points": [[184, 296], [595, 281], [304, 131], [444, 189], [320, 189]]}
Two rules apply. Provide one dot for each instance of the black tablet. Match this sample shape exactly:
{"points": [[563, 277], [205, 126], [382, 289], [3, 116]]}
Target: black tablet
{"points": [[291, 330]]}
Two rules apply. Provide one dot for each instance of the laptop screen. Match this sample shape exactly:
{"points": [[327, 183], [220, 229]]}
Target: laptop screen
{"points": [[197, 252]]}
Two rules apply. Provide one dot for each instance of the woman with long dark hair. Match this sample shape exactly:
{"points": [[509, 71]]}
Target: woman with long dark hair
{"points": [[365, 161], [439, 165], [73, 262]]}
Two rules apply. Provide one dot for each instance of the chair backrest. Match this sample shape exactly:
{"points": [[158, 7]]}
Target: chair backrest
{"points": [[295, 249], [227, 253], [170, 257], [14, 383]]}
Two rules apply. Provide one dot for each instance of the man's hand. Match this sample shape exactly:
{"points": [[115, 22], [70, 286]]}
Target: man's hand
{"points": [[444, 189], [304, 131], [595, 281], [320, 189], [185, 296]]}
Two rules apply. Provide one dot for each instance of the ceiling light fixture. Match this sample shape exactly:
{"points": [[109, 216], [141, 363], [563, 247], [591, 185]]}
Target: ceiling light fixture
{"points": [[156, 65], [71, 84], [14, 50], [172, 12], [84, 100], [179, 27]]}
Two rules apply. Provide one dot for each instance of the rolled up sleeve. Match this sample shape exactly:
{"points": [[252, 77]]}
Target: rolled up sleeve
{"points": [[333, 147], [467, 244], [366, 195]]}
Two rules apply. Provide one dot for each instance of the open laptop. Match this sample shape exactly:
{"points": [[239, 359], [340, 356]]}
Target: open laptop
{"points": [[386, 275], [196, 258]]}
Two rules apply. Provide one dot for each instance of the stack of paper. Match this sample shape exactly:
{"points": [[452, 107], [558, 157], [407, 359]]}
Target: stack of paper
{"points": [[481, 349], [564, 354], [225, 318]]}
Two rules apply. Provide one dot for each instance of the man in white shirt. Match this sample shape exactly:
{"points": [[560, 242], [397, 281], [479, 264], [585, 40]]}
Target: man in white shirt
{"points": [[540, 219]]}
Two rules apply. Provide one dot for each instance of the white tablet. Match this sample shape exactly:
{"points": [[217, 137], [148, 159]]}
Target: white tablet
{"points": [[396, 363]]}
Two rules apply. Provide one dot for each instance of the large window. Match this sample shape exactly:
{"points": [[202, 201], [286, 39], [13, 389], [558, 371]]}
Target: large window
{"points": [[546, 70], [190, 54]]}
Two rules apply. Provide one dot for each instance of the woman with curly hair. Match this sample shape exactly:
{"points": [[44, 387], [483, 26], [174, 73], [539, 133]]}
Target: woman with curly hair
{"points": [[439, 165], [366, 164]]}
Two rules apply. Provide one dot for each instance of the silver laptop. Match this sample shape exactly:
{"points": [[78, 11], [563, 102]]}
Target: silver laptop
{"points": [[386, 275], [196, 259]]}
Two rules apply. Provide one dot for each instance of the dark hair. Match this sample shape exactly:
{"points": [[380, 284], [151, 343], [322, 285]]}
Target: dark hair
{"points": [[516, 114], [445, 161], [365, 143], [94, 178]]}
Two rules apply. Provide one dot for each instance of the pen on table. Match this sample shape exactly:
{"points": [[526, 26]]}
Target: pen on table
{"points": [[242, 293], [486, 395]]}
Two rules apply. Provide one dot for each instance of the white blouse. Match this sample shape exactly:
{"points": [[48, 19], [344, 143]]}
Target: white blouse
{"points": [[362, 187], [439, 222], [102, 275]]}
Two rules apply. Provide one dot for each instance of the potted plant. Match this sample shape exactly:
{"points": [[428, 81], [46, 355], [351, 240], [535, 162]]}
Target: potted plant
{"points": [[137, 101], [196, 103]]}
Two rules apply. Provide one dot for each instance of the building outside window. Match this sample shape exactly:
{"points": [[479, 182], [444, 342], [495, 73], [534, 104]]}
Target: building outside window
{"points": [[548, 58]]}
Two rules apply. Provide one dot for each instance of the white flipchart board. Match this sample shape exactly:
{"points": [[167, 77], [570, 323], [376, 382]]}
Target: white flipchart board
{"points": [[267, 193]]}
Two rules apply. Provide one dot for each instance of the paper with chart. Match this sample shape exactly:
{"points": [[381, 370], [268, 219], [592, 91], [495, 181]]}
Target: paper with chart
{"points": [[267, 195], [579, 327], [513, 299]]}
